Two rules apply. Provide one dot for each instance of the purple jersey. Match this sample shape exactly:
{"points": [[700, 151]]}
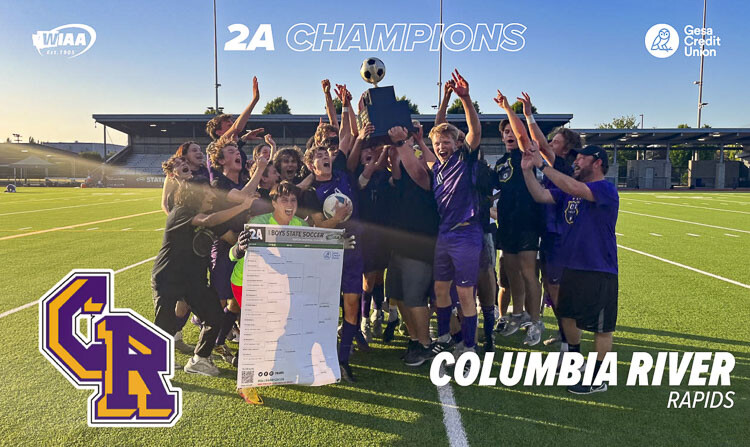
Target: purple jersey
{"points": [[589, 242], [340, 182], [454, 189]]}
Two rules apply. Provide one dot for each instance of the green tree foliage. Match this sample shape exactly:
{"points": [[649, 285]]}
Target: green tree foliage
{"points": [[623, 122], [277, 106], [92, 156], [458, 108], [337, 105], [212, 111], [412, 107], [518, 107]]}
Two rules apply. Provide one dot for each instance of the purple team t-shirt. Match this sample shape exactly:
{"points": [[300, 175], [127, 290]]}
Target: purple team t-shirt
{"points": [[454, 190], [589, 241]]}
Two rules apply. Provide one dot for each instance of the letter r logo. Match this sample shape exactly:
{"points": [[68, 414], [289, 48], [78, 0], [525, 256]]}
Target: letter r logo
{"points": [[124, 357]]}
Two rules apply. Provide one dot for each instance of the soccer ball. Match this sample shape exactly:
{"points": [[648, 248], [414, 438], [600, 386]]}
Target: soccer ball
{"points": [[372, 70], [329, 206]]}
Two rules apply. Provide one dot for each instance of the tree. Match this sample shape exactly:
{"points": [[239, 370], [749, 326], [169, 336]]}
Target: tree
{"points": [[623, 122], [31, 140], [413, 108], [7, 140], [337, 105], [277, 106], [458, 108], [212, 111], [518, 107], [92, 156]]}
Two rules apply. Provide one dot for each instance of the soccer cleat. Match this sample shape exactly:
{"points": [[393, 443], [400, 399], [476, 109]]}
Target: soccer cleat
{"points": [[458, 352], [390, 328], [501, 323], [580, 388], [418, 355], [362, 344], [525, 320], [180, 345], [534, 333], [225, 353], [250, 395], [367, 330], [489, 345], [410, 346], [438, 346], [201, 365], [512, 326], [377, 325], [234, 334], [346, 373]]}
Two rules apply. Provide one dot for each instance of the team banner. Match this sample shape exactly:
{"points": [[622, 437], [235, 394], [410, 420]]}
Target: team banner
{"points": [[290, 306]]}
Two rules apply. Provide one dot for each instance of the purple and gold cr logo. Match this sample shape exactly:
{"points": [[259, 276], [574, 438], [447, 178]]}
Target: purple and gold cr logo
{"points": [[125, 358]]}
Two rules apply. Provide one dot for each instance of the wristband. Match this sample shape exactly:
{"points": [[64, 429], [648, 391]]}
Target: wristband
{"points": [[530, 119], [400, 143], [344, 109]]}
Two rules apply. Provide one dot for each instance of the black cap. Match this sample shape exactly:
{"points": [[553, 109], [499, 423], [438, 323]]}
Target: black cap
{"points": [[596, 152]]}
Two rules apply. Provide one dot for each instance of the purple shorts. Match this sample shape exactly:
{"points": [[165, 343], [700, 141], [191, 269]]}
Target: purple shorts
{"points": [[351, 275], [457, 255], [221, 270], [551, 258]]}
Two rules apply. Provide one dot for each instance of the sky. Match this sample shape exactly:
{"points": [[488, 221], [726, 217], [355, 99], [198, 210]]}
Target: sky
{"points": [[587, 58]]}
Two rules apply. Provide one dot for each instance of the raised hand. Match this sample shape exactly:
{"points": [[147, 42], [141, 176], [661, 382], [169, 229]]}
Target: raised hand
{"points": [[269, 140], [448, 88], [253, 134], [502, 100], [374, 164], [326, 86], [262, 162], [419, 132], [342, 93], [398, 133], [461, 85], [256, 91], [525, 99], [366, 131]]}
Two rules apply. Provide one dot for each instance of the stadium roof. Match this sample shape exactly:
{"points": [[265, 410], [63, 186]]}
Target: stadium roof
{"points": [[295, 125], [663, 137]]}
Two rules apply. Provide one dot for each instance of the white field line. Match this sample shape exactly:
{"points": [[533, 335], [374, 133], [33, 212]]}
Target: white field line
{"points": [[619, 234], [694, 235], [730, 235], [33, 303], [75, 206], [68, 227], [693, 269], [685, 221], [127, 229], [691, 206], [92, 228], [24, 228], [451, 417], [655, 234]]}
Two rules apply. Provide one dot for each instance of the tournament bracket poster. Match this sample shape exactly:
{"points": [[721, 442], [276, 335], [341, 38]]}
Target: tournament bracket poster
{"points": [[290, 306]]}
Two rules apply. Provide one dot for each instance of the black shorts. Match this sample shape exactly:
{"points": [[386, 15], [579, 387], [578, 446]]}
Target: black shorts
{"points": [[514, 242], [590, 298], [503, 276], [408, 280]]}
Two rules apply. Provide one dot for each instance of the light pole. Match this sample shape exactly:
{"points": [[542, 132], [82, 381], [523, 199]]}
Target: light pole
{"points": [[700, 80], [440, 58], [216, 65]]}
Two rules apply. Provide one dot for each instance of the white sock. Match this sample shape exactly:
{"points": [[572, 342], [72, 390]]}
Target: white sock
{"points": [[563, 347], [392, 313]]}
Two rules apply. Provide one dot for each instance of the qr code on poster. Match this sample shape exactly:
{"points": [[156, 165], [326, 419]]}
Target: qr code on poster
{"points": [[248, 375]]}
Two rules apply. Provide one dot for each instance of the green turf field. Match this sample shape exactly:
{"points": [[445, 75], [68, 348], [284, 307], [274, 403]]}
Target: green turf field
{"points": [[45, 232]]}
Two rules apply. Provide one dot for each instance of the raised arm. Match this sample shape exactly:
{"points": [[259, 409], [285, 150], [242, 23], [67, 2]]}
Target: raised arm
{"points": [[346, 138], [352, 160], [272, 144], [474, 136], [428, 157], [536, 132], [213, 219], [537, 191], [170, 186], [405, 146], [241, 121], [440, 117], [519, 131], [330, 109], [370, 168]]}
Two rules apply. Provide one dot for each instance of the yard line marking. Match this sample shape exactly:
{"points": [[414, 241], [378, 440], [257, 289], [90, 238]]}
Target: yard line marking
{"points": [[73, 206], [27, 305], [730, 235], [693, 269], [619, 234], [655, 234], [685, 221], [24, 228], [94, 228], [694, 235], [159, 229], [451, 417], [691, 206], [68, 227], [126, 229]]}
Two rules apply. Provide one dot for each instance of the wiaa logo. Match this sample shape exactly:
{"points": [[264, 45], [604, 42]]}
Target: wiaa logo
{"points": [[662, 40], [67, 40], [126, 359]]}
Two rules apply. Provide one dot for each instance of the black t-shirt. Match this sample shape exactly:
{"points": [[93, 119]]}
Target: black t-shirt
{"points": [[560, 164], [339, 162], [222, 185], [516, 209], [415, 219], [373, 199], [176, 261]]}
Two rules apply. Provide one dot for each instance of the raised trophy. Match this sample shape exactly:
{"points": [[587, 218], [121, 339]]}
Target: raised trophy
{"points": [[381, 108]]}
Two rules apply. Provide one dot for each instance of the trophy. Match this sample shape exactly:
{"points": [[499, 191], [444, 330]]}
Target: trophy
{"points": [[381, 108]]}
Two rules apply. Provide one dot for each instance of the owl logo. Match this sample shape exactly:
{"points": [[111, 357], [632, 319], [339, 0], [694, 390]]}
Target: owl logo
{"points": [[662, 40], [571, 211], [504, 170]]}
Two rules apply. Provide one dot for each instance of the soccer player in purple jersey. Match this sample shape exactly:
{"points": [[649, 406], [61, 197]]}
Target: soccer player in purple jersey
{"points": [[459, 242], [587, 205], [327, 182]]}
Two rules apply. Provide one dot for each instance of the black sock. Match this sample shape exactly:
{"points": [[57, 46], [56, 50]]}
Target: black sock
{"points": [[596, 367], [574, 348], [226, 326]]}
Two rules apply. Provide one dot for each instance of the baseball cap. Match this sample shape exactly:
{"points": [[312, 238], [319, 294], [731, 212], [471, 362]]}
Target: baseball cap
{"points": [[596, 152]]}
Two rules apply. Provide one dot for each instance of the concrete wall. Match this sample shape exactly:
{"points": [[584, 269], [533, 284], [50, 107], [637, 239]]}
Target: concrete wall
{"points": [[714, 174], [649, 174]]}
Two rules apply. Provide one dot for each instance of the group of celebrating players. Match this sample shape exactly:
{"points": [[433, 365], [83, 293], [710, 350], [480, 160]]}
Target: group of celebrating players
{"points": [[426, 215]]}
